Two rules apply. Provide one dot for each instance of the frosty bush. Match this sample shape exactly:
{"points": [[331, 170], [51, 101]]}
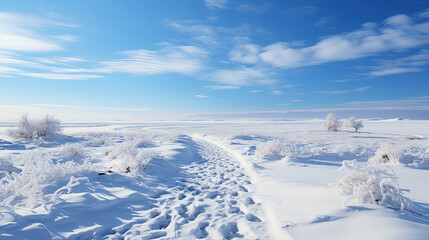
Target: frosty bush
{"points": [[134, 164], [37, 172], [276, 149], [31, 128], [373, 185], [354, 123], [70, 151], [133, 158], [332, 122], [386, 154]]}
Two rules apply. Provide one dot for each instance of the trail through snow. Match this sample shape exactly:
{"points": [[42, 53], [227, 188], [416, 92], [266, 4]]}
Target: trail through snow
{"points": [[213, 200]]}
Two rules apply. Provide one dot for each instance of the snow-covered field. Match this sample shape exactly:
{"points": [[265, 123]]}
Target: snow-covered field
{"points": [[217, 180]]}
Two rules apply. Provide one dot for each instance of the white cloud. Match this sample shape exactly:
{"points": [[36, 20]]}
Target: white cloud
{"points": [[256, 91], [413, 63], [200, 96], [252, 7], [276, 92], [213, 4], [201, 33], [128, 109], [222, 87], [55, 106], [245, 53], [322, 21], [60, 76], [19, 33], [171, 59], [398, 32], [60, 60], [389, 103], [45, 68], [337, 92], [242, 76], [68, 37], [392, 71]]}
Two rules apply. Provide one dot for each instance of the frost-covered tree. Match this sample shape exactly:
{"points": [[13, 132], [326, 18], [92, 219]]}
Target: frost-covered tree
{"points": [[24, 128], [354, 123], [48, 125], [332, 122], [31, 128]]}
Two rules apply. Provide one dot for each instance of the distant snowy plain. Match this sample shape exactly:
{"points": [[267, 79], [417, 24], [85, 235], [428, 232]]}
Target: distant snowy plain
{"points": [[217, 180]]}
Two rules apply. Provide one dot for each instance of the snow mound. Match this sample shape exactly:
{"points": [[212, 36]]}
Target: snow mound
{"points": [[373, 185]]}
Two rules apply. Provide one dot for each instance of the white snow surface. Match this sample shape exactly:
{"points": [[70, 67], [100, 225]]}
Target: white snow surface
{"points": [[217, 180]]}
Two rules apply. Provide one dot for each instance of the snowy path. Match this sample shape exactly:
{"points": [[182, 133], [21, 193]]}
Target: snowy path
{"points": [[215, 201]]}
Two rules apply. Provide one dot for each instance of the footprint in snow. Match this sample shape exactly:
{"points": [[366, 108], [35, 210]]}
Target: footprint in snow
{"points": [[200, 231], [252, 218]]}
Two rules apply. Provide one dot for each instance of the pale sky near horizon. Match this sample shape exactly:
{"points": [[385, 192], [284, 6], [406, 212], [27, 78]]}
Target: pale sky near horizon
{"points": [[214, 59]]}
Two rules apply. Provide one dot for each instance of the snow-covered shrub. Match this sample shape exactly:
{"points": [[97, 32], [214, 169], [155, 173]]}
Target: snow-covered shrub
{"points": [[276, 149], [37, 172], [24, 128], [134, 164], [96, 138], [332, 122], [70, 151], [388, 155], [373, 185], [354, 123], [133, 158], [31, 128], [48, 125]]}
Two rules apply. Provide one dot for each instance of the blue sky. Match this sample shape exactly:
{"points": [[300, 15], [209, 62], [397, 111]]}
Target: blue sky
{"points": [[214, 59]]}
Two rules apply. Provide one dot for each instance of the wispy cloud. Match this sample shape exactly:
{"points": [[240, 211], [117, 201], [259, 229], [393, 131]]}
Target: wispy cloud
{"points": [[242, 76], [245, 53], [55, 68], [276, 92], [128, 109], [55, 106], [222, 87], [213, 4], [60, 76], [200, 33], [20, 32], [252, 7], [391, 71], [322, 21], [413, 63], [256, 91], [68, 37], [337, 92], [171, 59], [396, 33], [389, 103], [201, 96]]}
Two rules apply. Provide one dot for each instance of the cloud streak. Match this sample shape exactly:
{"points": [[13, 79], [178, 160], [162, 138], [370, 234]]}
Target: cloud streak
{"points": [[19, 33], [171, 59], [399, 32]]}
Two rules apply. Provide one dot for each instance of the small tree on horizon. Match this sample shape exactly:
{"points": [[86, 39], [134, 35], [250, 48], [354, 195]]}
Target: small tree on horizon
{"points": [[332, 123], [354, 123]]}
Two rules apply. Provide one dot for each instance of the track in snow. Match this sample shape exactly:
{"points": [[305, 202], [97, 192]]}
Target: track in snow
{"points": [[213, 201]]}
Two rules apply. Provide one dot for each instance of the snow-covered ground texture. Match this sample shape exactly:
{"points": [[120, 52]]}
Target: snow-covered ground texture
{"points": [[217, 180]]}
